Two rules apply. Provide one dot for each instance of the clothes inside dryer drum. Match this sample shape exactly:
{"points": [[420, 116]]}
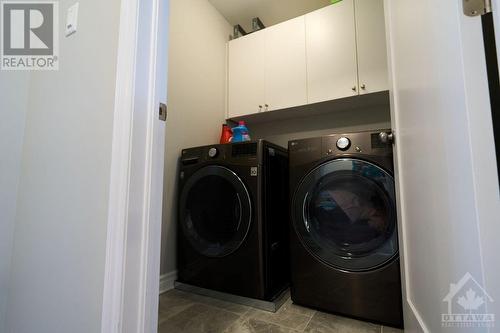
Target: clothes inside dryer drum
{"points": [[349, 212]]}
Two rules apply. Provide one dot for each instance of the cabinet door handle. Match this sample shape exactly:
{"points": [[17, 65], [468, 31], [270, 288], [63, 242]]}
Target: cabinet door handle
{"points": [[363, 86], [267, 106], [260, 108], [353, 88]]}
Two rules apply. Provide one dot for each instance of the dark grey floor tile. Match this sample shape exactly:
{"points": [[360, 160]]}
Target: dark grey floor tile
{"points": [[228, 306], [199, 318], [289, 315], [253, 325], [171, 303], [182, 312], [327, 323], [289, 306], [386, 329], [162, 318]]}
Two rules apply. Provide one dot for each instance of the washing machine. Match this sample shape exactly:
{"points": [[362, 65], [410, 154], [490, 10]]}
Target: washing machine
{"points": [[232, 219], [344, 237]]}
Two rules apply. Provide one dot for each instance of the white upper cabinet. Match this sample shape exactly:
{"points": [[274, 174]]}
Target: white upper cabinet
{"points": [[267, 69], [335, 52], [331, 52], [372, 48], [285, 65], [246, 86]]}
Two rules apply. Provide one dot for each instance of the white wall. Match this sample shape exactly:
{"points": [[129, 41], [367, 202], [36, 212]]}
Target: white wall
{"points": [[196, 96], [57, 271], [13, 100], [280, 132]]}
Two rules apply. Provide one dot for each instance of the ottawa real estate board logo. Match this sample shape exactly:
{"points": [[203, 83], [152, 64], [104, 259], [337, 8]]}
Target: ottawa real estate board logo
{"points": [[467, 303], [29, 35]]}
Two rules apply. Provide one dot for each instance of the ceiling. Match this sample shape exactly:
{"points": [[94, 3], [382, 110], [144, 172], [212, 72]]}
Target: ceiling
{"points": [[270, 12]]}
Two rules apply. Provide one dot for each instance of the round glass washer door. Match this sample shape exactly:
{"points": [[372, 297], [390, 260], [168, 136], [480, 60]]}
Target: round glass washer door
{"points": [[215, 211], [344, 213]]}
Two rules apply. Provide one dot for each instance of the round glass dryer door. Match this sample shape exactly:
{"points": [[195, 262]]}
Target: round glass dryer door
{"points": [[215, 211], [344, 213]]}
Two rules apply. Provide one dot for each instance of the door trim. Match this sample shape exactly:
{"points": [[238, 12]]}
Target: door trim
{"points": [[490, 49], [131, 280], [496, 20], [120, 164], [412, 316]]}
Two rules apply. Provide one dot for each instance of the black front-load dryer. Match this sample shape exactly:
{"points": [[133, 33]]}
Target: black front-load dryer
{"points": [[344, 240], [232, 219]]}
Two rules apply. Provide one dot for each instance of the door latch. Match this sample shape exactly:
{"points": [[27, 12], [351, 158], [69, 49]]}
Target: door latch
{"points": [[476, 7], [386, 138], [162, 114]]}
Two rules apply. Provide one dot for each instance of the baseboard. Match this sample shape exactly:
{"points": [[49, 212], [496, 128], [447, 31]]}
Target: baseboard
{"points": [[413, 320], [167, 281]]}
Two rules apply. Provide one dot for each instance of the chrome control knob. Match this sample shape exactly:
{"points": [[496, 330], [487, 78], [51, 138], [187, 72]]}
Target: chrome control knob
{"points": [[343, 143], [213, 152]]}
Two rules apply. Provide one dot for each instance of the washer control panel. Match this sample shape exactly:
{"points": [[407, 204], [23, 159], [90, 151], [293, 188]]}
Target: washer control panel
{"points": [[343, 143]]}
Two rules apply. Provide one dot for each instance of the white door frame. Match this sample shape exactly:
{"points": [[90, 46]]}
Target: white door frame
{"points": [[132, 271]]}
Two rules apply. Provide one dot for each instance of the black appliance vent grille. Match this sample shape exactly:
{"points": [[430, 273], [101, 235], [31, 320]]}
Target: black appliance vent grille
{"points": [[244, 149]]}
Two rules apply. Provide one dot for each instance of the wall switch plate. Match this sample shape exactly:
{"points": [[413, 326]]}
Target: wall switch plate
{"points": [[72, 20]]}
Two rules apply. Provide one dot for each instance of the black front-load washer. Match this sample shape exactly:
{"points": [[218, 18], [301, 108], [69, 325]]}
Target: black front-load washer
{"points": [[344, 240], [233, 220]]}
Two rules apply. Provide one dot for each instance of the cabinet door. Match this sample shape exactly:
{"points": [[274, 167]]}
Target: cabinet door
{"points": [[286, 65], [372, 49], [246, 75], [331, 52]]}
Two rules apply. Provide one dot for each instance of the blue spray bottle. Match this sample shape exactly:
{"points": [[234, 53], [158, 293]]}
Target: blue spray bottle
{"points": [[240, 133]]}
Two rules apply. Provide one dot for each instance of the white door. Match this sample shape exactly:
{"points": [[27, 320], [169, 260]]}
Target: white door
{"points": [[331, 52], [371, 46], [446, 169], [246, 87], [285, 65]]}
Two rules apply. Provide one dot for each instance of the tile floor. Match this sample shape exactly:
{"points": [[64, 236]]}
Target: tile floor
{"points": [[182, 312]]}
